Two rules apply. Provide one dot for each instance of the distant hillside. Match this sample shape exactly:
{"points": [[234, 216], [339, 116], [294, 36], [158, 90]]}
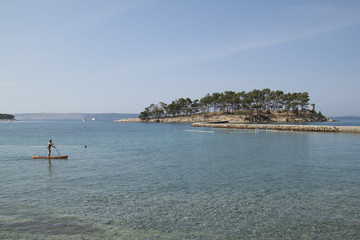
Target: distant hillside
{"points": [[348, 118], [48, 116], [72, 116]]}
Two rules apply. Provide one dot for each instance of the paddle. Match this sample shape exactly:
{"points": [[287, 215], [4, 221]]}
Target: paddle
{"points": [[57, 150]]}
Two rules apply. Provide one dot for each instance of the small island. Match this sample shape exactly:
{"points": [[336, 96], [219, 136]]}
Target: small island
{"points": [[6, 117], [257, 106]]}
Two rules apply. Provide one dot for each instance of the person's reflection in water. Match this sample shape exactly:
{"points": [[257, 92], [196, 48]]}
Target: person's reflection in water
{"points": [[49, 167]]}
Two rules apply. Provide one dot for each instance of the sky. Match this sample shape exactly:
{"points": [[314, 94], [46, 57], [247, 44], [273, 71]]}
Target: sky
{"points": [[120, 56]]}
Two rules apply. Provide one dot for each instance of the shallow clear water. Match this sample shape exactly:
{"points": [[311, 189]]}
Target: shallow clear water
{"points": [[172, 181]]}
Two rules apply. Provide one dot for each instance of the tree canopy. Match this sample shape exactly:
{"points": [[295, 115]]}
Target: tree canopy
{"points": [[6, 116], [230, 102]]}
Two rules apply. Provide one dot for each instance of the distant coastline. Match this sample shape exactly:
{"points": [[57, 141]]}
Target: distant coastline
{"points": [[72, 116]]}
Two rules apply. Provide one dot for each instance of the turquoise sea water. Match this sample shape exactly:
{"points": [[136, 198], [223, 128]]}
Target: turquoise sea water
{"points": [[172, 181]]}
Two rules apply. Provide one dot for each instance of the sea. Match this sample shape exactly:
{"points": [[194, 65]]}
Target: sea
{"points": [[174, 181]]}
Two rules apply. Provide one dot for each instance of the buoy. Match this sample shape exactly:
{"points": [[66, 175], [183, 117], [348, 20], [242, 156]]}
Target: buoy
{"points": [[84, 146]]}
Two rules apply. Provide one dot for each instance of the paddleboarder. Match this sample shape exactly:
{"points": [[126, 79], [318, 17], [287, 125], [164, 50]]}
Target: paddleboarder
{"points": [[49, 146]]}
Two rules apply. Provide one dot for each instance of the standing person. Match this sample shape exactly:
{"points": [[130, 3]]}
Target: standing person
{"points": [[50, 144]]}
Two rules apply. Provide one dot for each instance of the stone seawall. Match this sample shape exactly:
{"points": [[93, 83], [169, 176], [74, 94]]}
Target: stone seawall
{"points": [[282, 127]]}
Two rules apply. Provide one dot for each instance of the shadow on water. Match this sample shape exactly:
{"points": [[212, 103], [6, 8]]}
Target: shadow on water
{"points": [[50, 169]]}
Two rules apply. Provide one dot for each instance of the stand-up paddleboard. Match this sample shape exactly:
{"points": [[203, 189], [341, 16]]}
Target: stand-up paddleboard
{"points": [[55, 157]]}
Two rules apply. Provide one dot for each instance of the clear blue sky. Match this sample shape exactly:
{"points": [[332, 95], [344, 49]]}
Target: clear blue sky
{"points": [[121, 56]]}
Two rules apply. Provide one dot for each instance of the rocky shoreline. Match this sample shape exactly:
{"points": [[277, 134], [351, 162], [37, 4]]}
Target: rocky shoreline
{"points": [[272, 117], [282, 127], [239, 122]]}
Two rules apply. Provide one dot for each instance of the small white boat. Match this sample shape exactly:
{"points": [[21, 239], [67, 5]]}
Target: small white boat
{"points": [[93, 119]]}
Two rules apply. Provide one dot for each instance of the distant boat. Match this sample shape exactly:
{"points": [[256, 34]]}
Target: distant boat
{"points": [[84, 119], [93, 119]]}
